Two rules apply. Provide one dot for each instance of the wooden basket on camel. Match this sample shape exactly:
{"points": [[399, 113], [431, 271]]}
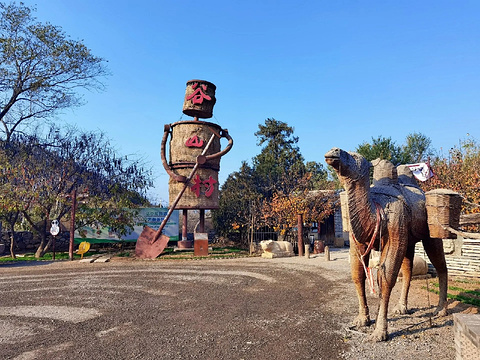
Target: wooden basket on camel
{"points": [[443, 210]]}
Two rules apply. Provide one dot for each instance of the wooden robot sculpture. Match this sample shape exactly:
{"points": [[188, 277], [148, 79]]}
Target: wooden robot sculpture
{"points": [[193, 164]]}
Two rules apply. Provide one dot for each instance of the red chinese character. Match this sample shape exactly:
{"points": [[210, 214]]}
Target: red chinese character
{"points": [[194, 141], [196, 187], [209, 184], [198, 95]]}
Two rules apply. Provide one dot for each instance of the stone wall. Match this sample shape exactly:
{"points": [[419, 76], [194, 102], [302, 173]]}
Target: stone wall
{"points": [[462, 256], [338, 223], [26, 241]]}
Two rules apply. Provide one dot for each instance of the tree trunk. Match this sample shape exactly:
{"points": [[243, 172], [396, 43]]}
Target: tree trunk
{"points": [[42, 248], [11, 224], [12, 245]]}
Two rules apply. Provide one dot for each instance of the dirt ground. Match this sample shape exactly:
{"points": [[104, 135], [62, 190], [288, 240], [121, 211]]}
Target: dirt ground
{"points": [[247, 308]]}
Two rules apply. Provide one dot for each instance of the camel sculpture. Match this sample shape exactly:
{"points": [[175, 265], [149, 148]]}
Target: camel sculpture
{"points": [[391, 217]]}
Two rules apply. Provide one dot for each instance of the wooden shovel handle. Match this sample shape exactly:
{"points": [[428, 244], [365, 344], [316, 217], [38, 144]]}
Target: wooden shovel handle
{"points": [[223, 133]]}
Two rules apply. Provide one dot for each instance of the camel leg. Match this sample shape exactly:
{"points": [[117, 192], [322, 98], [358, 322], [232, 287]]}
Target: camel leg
{"points": [[390, 262], [358, 277], [434, 250], [407, 266]]}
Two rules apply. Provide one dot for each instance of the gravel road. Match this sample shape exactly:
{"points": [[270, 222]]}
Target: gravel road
{"points": [[248, 308]]}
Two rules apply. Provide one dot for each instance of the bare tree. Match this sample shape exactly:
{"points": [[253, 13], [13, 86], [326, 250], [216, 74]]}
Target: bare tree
{"points": [[41, 69]]}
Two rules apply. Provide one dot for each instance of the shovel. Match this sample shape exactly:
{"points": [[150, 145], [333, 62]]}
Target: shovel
{"points": [[151, 243]]}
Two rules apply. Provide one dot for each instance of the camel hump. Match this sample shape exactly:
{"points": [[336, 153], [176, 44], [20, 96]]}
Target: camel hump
{"points": [[384, 173], [405, 176]]}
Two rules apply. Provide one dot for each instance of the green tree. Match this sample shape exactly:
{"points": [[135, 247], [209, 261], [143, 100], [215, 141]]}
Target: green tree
{"points": [[41, 69], [380, 147], [278, 173], [416, 148], [280, 162], [239, 200], [319, 177]]}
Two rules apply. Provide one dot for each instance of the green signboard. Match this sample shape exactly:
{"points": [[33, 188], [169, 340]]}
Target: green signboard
{"points": [[151, 217]]}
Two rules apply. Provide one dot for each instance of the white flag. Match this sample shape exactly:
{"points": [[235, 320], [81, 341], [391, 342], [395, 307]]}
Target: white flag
{"points": [[421, 171]]}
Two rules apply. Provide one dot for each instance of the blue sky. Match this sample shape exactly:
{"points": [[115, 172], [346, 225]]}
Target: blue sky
{"points": [[339, 72]]}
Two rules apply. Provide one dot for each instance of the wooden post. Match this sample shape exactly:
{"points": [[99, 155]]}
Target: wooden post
{"points": [[53, 247], [251, 230], [201, 226], [307, 251], [300, 234], [72, 224], [184, 225], [327, 253]]}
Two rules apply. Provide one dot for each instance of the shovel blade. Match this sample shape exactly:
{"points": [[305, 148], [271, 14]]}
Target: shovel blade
{"points": [[146, 248]]}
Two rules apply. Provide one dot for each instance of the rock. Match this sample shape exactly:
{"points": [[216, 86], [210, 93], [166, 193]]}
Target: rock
{"points": [[272, 249], [420, 266]]}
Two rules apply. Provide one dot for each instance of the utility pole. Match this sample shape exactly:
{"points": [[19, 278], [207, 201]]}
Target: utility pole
{"points": [[300, 234], [72, 224]]}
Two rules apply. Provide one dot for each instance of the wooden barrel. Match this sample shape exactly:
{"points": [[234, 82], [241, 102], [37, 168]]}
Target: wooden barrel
{"points": [[188, 139], [319, 247], [199, 99], [443, 209], [202, 191]]}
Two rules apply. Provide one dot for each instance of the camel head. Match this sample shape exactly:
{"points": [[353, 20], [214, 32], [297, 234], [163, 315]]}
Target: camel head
{"points": [[349, 166]]}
